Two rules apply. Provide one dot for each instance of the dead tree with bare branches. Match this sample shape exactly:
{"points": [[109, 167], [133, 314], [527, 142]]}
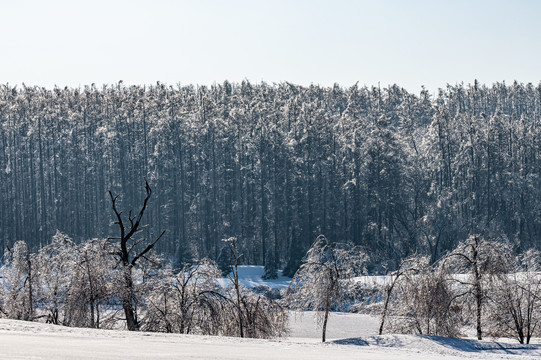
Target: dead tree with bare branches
{"points": [[129, 250]]}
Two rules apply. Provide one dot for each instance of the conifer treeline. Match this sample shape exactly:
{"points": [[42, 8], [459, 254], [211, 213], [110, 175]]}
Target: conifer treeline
{"points": [[274, 165]]}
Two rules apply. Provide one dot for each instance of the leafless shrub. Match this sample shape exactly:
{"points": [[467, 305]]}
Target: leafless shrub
{"points": [[190, 301], [174, 300]]}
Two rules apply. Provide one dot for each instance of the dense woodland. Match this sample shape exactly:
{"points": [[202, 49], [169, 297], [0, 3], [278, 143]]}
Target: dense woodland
{"points": [[274, 166]]}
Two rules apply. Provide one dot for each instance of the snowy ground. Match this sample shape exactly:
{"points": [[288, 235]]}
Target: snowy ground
{"points": [[350, 336]]}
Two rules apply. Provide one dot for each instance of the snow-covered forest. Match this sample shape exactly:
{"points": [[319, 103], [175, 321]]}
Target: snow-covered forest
{"points": [[274, 166]]}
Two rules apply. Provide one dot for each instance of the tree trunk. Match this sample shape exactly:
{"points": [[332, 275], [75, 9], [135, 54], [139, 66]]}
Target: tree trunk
{"points": [[30, 291], [385, 307], [328, 304], [477, 288], [127, 304], [326, 317], [130, 315]]}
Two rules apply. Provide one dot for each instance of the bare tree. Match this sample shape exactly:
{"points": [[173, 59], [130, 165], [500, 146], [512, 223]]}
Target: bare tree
{"points": [[320, 282], [480, 259], [93, 286], [406, 268], [257, 316], [515, 300], [129, 252], [55, 267], [234, 277], [424, 302], [75, 283], [18, 295]]}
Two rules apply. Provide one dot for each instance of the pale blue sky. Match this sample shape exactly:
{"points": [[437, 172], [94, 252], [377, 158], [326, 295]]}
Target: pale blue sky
{"points": [[411, 43]]}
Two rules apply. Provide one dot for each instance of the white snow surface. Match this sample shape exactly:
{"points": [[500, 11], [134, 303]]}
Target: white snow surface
{"points": [[27, 340]]}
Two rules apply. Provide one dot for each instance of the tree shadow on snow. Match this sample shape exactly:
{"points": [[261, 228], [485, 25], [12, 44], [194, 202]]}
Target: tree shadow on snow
{"points": [[381, 341], [351, 341], [460, 344], [469, 345]]}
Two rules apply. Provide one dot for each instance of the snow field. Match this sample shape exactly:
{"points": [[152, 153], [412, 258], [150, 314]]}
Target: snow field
{"points": [[26, 340]]}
